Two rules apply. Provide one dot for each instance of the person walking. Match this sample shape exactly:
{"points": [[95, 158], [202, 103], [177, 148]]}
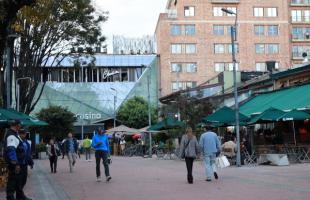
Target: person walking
{"points": [[211, 147], [52, 150], [100, 143], [71, 148], [190, 151], [87, 147], [15, 156]]}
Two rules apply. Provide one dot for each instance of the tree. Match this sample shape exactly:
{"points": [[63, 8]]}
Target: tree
{"points": [[134, 113], [48, 31], [60, 121]]}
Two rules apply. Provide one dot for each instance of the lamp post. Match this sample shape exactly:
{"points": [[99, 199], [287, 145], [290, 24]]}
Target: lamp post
{"points": [[233, 31], [18, 91], [114, 106]]}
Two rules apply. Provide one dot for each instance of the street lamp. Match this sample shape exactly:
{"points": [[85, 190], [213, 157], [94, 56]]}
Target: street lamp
{"points": [[114, 107], [233, 34], [18, 91]]}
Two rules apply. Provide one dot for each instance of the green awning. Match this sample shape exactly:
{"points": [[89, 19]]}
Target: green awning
{"points": [[269, 115], [10, 114], [166, 123], [294, 115], [224, 116], [285, 99]]}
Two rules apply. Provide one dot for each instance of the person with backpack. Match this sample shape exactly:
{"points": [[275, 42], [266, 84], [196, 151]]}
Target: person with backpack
{"points": [[15, 156], [52, 152], [189, 150]]}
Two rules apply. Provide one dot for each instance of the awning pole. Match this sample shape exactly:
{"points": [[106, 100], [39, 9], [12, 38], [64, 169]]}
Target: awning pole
{"points": [[294, 132]]}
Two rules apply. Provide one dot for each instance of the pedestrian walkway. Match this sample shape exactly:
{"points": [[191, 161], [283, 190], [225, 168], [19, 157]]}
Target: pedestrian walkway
{"points": [[139, 178]]}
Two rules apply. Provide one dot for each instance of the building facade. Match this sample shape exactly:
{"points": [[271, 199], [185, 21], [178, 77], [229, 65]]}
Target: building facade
{"points": [[193, 38]]}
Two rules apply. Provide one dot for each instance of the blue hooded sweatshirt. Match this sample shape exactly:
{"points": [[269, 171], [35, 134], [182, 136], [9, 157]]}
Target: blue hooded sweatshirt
{"points": [[104, 146]]}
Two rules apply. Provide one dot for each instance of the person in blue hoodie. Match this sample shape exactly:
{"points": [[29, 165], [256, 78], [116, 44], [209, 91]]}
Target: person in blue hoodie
{"points": [[100, 143]]}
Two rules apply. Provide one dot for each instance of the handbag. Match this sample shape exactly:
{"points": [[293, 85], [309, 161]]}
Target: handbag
{"points": [[222, 162], [183, 152]]}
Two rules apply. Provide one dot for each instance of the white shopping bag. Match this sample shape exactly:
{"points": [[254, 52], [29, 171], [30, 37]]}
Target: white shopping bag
{"points": [[222, 162]]}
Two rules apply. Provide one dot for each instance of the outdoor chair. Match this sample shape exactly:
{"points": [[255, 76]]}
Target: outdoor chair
{"points": [[250, 159]]}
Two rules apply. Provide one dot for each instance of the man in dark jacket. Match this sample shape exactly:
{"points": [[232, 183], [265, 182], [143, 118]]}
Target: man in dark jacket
{"points": [[15, 156], [70, 149]]}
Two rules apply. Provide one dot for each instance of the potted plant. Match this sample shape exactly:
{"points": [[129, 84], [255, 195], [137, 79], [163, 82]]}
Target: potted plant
{"points": [[41, 151]]}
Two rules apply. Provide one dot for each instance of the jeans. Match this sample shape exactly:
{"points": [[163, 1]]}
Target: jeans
{"points": [[104, 156], [72, 159], [87, 153], [189, 166], [14, 184], [53, 163], [210, 167]]}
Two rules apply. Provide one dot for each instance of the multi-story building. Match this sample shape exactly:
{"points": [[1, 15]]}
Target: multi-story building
{"points": [[194, 42]]}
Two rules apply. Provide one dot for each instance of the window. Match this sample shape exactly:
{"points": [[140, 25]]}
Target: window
{"points": [[176, 86], [190, 30], [272, 12], [219, 48], [300, 33], [299, 50], [176, 67], [260, 48], [230, 48], [230, 67], [273, 48], [217, 12], [190, 48], [176, 30], [189, 11], [296, 15], [219, 67], [259, 30], [191, 67], [260, 66], [273, 30], [218, 29], [307, 15], [176, 48], [259, 12]]}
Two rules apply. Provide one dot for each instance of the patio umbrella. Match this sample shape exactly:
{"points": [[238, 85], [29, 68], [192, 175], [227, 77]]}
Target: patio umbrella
{"points": [[225, 116], [269, 115], [166, 123], [10, 114], [292, 116]]}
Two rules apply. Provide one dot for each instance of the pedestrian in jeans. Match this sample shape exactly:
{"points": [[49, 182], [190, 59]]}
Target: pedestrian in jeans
{"points": [[52, 149], [100, 143], [211, 146], [71, 148], [87, 147], [189, 150]]}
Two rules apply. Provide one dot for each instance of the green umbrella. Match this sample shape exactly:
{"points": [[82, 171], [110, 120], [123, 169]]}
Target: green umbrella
{"points": [[294, 115], [269, 115], [9, 114], [166, 123], [225, 116]]}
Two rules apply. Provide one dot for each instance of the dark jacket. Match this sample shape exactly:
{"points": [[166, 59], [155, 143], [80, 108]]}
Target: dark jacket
{"points": [[28, 157], [66, 145], [14, 149]]}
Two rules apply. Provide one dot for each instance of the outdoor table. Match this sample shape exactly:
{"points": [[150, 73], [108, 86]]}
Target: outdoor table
{"points": [[274, 159]]}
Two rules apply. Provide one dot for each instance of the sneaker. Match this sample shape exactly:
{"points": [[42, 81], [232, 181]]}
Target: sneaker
{"points": [[73, 163], [109, 178], [216, 176], [99, 179], [208, 179]]}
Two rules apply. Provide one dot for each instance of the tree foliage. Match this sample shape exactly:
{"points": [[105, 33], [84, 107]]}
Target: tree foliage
{"points": [[134, 113], [60, 121], [48, 31]]}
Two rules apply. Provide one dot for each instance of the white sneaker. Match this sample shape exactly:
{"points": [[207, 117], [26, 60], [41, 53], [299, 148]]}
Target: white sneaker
{"points": [[99, 179]]}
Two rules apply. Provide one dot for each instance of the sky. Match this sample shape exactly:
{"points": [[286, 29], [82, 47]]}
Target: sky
{"points": [[130, 18]]}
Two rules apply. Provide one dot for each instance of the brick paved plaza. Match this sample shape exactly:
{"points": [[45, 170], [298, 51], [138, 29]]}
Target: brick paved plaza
{"points": [[152, 179]]}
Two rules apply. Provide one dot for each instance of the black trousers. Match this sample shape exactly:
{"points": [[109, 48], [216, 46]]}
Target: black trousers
{"points": [[24, 175], [104, 156], [53, 163], [189, 166], [15, 184]]}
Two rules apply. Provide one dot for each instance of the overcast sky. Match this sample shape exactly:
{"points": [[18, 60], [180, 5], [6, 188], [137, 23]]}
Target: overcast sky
{"points": [[131, 18]]}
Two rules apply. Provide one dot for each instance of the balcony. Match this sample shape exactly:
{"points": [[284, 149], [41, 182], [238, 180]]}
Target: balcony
{"points": [[300, 2], [225, 1]]}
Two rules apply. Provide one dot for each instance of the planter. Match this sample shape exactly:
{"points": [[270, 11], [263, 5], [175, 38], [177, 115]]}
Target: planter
{"points": [[42, 155]]}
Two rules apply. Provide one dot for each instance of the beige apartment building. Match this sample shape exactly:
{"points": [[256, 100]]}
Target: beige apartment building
{"points": [[194, 43]]}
